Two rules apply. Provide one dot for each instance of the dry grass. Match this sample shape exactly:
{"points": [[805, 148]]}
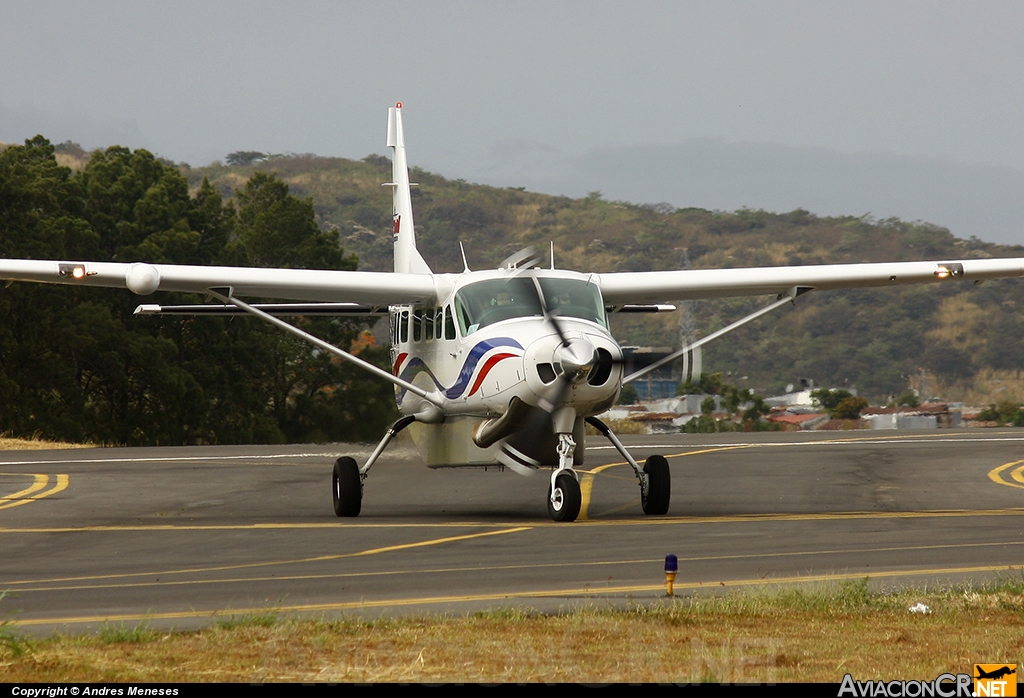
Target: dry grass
{"points": [[793, 635], [620, 427], [7, 444], [991, 386]]}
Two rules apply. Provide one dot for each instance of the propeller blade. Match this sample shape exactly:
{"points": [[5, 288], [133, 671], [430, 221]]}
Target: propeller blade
{"points": [[548, 315]]}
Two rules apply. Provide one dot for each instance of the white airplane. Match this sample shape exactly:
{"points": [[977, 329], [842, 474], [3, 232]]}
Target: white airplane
{"points": [[502, 366]]}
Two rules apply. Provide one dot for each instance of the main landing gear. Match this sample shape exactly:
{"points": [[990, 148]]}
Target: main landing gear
{"points": [[347, 489], [654, 497], [564, 496], [655, 478]]}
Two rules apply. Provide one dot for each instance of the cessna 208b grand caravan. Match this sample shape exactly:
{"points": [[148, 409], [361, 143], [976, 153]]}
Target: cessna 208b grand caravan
{"points": [[504, 366]]}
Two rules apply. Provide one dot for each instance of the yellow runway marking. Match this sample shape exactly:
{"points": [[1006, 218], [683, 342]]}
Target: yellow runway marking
{"points": [[488, 568], [995, 475], [658, 521], [38, 482], [820, 516], [586, 484], [571, 592], [272, 563], [28, 494], [256, 527]]}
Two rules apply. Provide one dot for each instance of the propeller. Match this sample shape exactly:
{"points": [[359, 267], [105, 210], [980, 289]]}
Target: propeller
{"points": [[575, 357]]}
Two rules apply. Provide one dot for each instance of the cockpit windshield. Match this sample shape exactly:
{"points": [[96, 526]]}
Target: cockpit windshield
{"points": [[487, 302]]}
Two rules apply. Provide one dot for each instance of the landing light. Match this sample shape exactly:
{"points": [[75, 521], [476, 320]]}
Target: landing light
{"points": [[75, 271], [946, 270]]}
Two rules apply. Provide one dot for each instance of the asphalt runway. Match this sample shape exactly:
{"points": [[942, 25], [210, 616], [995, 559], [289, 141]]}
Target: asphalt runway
{"points": [[183, 536]]}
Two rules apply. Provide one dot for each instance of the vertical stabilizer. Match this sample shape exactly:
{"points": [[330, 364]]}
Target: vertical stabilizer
{"points": [[407, 258]]}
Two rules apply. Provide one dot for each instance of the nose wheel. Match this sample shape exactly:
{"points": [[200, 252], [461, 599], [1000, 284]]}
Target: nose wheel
{"points": [[564, 498]]}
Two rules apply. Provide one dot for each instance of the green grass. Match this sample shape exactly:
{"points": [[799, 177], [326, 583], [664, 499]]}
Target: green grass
{"points": [[122, 634], [248, 620]]}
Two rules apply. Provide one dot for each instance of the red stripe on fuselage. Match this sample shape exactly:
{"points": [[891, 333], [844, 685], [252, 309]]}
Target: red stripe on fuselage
{"points": [[488, 365], [398, 362]]}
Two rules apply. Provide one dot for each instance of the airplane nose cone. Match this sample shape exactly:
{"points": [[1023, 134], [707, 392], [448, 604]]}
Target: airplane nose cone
{"points": [[578, 358]]}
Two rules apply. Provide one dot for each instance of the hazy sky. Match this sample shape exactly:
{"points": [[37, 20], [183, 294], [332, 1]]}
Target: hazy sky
{"points": [[193, 81]]}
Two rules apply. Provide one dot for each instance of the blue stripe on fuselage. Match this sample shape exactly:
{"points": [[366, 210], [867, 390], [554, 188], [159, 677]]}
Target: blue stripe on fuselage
{"points": [[416, 365]]}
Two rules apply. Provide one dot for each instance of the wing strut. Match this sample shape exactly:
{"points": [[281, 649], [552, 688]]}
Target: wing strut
{"points": [[789, 296], [224, 294]]}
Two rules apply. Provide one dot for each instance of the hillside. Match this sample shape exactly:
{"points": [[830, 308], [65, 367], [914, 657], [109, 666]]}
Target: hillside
{"points": [[971, 340]]}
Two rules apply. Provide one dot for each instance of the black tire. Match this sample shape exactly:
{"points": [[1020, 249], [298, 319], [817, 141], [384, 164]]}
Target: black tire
{"points": [[566, 506], [348, 487], [659, 486]]}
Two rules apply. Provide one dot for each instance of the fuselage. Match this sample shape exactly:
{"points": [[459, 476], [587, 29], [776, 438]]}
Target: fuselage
{"points": [[488, 341]]}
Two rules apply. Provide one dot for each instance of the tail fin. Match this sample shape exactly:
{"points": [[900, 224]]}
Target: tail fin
{"points": [[407, 257]]}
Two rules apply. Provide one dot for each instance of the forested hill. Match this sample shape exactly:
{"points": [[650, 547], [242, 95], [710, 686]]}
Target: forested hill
{"points": [[76, 365], [970, 339]]}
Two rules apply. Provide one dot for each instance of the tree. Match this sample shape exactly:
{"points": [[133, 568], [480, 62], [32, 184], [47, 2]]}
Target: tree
{"points": [[849, 408], [244, 157], [628, 395], [829, 399], [76, 365]]}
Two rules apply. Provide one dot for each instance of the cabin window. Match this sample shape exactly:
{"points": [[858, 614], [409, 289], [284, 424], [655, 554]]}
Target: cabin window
{"points": [[428, 324], [439, 324], [404, 326], [449, 323], [417, 325]]}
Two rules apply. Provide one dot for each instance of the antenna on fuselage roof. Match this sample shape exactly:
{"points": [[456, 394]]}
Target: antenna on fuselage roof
{"points": [[465, 264], [552, 255]]}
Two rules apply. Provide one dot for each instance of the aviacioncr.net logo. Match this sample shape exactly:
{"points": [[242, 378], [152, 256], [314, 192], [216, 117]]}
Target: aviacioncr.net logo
{"points": [[944, 686]]}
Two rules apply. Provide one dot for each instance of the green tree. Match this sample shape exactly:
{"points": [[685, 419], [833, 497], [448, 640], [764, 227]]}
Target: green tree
{"points": [[76, 364], [829, 399], [849, 408], [244, 157], [628, 395]]}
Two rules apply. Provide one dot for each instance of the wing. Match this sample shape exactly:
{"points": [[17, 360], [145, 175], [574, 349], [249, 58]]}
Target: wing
{"points": [[659, 286], [372, 288]]}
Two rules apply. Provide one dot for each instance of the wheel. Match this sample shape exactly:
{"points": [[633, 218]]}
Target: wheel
{"points": [[567, 498], [659, 486], [348, 487]]}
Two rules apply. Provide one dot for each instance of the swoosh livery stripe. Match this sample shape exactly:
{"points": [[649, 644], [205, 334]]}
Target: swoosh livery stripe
{"points": [[488, 365], [398, 362], [417, 366]]}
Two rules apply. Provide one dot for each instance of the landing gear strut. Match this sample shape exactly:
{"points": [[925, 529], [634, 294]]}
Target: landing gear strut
{"points": [[347, 489], [655, 478], [564, 496]]}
